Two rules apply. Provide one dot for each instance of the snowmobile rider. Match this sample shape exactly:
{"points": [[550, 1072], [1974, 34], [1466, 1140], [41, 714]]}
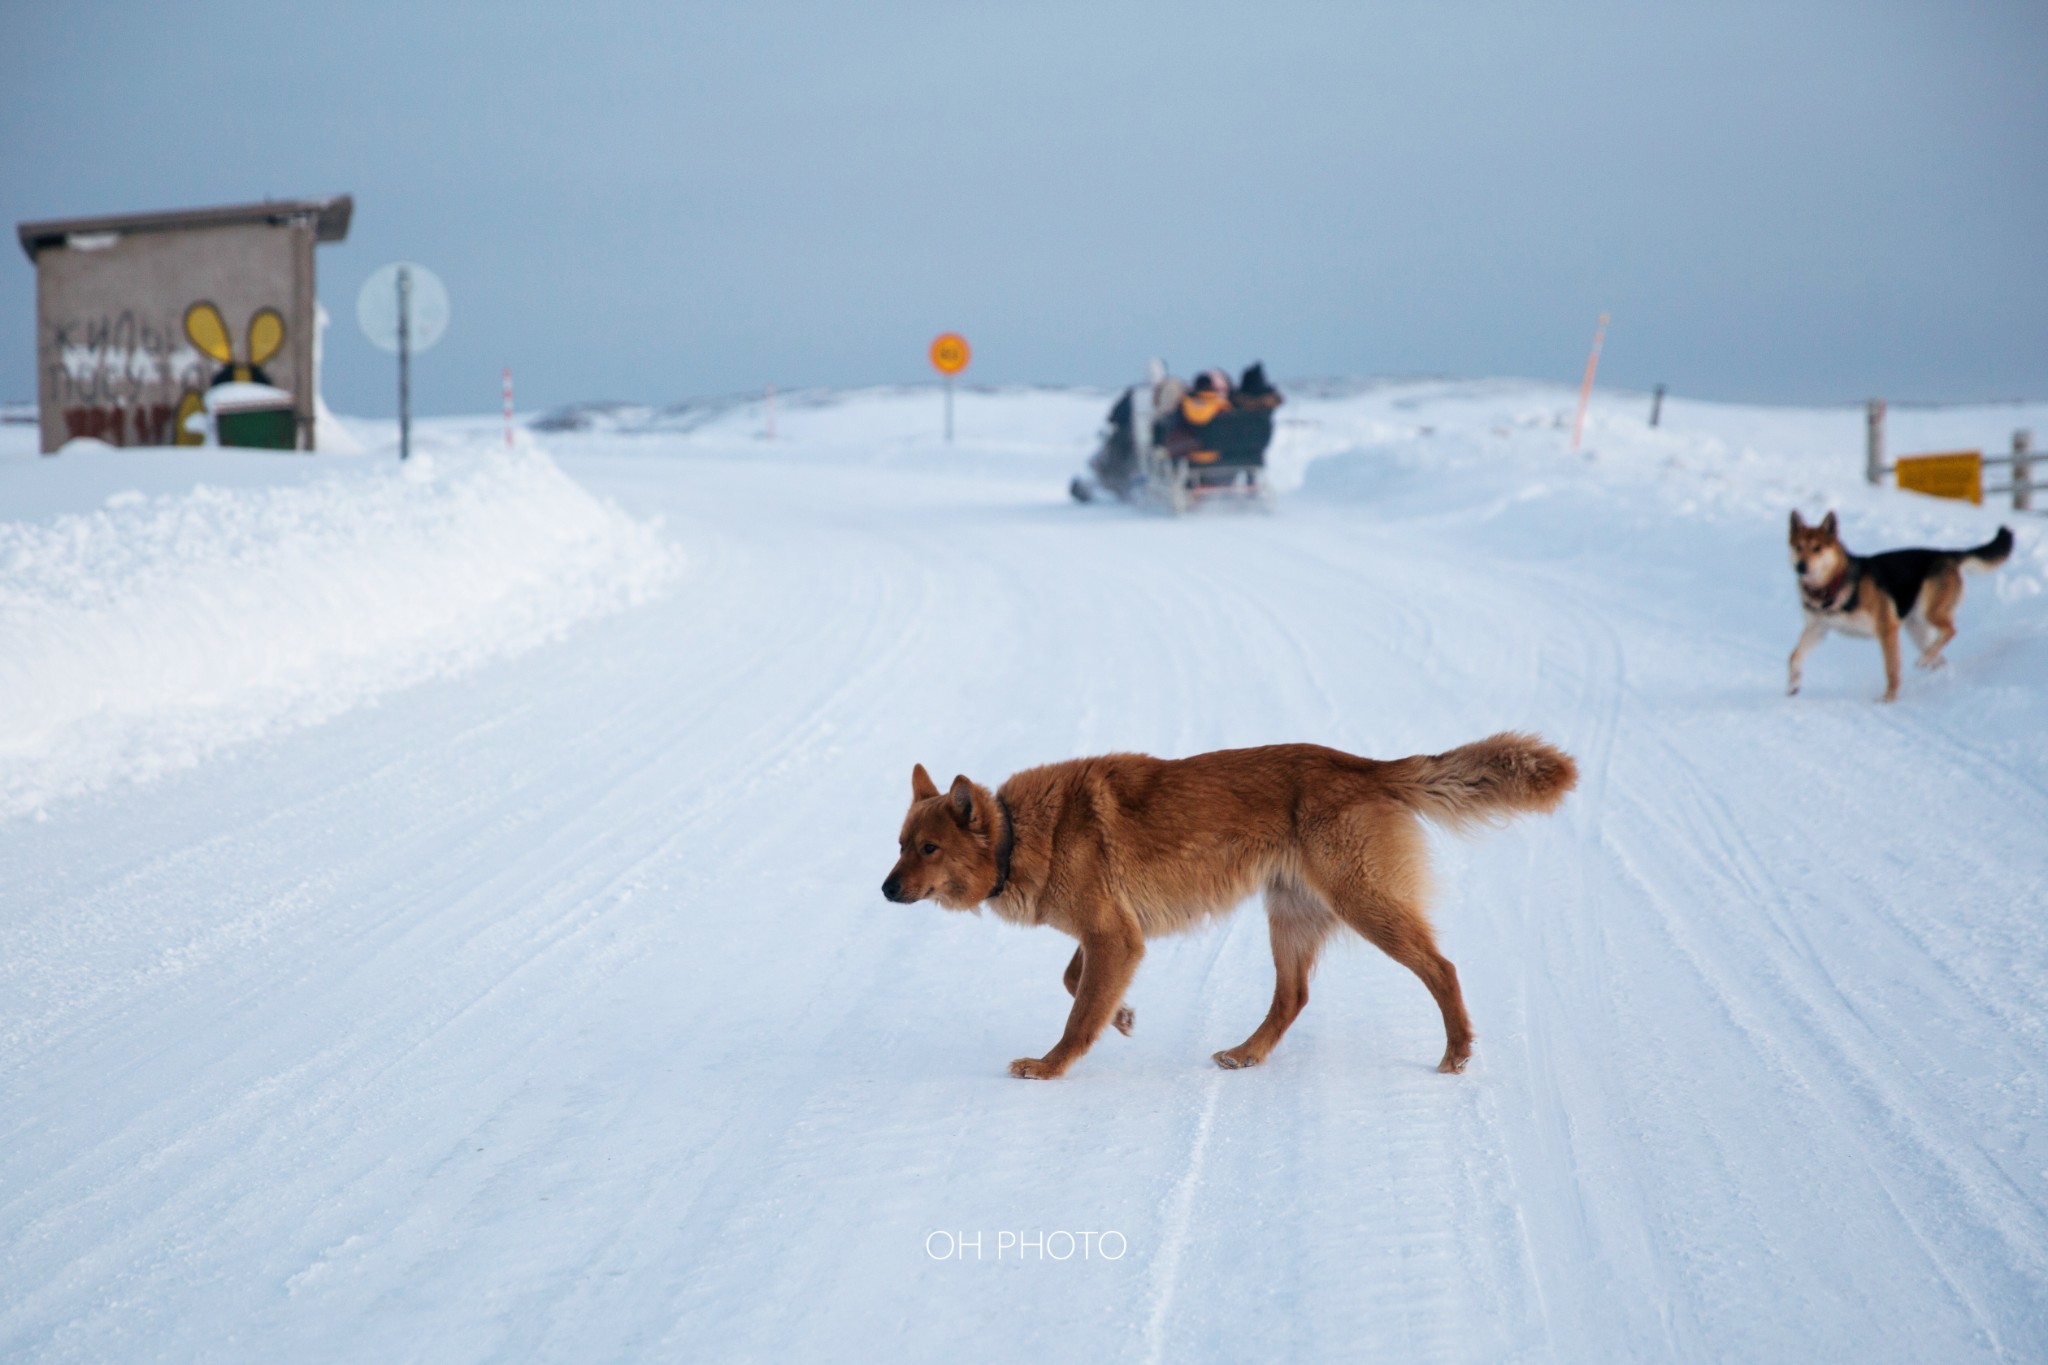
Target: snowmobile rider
{"points": [[1254, 393], [1205, 401]]}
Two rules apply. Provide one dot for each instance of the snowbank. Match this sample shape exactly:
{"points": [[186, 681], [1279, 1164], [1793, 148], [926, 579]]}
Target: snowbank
{"points": [[1713, 463], [149, 633]]}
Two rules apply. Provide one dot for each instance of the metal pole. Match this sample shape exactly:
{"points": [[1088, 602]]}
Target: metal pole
{"points": [[1657, 405], [1873, 441], [2023, 471], [404, 364], [949, 409]]}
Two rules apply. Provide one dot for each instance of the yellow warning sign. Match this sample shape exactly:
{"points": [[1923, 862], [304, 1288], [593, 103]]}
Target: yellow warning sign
{"points": [[950, 353], [1959, 474]]}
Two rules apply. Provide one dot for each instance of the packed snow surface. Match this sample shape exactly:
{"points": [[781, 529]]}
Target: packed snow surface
{"points": [[549, 1008]]}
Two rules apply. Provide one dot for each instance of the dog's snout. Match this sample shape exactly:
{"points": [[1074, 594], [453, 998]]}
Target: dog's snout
{"points": [[892, 889], [1800, 565]]}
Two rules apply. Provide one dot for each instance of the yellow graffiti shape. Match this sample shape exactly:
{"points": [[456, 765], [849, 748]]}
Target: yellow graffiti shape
{"points": [[188, 432], [209, 331], [266, 335]]}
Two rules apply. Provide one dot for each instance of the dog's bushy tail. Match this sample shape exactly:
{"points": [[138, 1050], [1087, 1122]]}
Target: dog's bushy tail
{"points": [[1992, 552], [1500, 776]]}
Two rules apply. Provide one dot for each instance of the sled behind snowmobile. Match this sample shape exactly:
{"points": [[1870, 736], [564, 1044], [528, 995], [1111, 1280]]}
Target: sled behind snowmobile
{"points": [[1161, 460]]}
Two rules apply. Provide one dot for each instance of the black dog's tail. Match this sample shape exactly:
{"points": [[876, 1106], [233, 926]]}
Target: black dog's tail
{"points": [[1992, 552]]}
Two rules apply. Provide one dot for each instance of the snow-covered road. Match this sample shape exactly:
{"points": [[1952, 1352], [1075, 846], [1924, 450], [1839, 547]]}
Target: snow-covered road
{"points": [[552, 1010]]}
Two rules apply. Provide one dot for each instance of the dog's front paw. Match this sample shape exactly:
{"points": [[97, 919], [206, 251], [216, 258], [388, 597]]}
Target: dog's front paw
{"points": [[1792, 689], [1235, 1059], [1034, 1069], [1126, 1020]]}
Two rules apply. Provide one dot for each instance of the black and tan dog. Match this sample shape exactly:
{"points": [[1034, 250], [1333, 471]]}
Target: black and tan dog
{"points": [[1121, 849], [1873, 595]]}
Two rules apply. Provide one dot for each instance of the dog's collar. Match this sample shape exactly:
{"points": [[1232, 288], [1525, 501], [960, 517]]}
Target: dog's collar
{"points": [[1824, 598], [1005, 846]]}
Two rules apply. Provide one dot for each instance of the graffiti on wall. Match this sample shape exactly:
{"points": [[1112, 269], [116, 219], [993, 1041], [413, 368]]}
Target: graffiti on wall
{"points": [[118, 378], [131, 380]]}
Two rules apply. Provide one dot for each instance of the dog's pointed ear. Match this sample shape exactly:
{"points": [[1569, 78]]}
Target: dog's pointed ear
{"points": [[922, 788], [963, 800], [1798, 522], [1827, 526]]}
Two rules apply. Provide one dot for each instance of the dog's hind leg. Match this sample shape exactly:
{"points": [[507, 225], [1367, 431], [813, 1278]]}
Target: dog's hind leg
{"points": [[1375, 880], [1888, 640], [1402, 933], [1125, 1017], [1299, 922], [1933, 621], [1923, 636]]}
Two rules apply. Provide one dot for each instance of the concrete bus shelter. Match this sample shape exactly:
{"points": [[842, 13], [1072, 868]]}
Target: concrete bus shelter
{"points": [[138, 314]]}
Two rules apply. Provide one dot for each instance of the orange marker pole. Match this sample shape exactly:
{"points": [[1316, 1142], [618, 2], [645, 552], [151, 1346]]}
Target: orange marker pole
{"points": [[1586, 389]]}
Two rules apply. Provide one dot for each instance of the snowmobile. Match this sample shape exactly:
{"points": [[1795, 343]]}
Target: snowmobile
{"points": [[1115, 467], [1172, 459]]}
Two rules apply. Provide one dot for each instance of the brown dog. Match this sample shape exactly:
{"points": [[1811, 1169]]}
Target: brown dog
{"points": [[1873, 595], [1115, 850]]}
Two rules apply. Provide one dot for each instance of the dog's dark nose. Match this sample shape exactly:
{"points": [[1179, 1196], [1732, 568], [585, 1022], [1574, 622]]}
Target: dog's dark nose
{"points": [[1800, 567], [893, 889]]}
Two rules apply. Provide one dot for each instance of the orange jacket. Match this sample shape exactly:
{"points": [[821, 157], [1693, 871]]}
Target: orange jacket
{"points": [[1199, 409]]}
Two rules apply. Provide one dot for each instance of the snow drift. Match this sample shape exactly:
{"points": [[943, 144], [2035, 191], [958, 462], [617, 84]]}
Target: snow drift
{"points": [[151, 632]]}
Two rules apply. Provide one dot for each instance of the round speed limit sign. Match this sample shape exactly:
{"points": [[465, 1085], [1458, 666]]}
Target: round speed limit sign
{"points": [[950, 354]]}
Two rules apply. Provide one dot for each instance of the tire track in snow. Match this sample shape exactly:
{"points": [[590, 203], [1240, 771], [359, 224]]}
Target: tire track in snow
{"points": [[1176, 1220], [1419, 1300], [1699, 857], [1845, 1064], [1558, 933]]}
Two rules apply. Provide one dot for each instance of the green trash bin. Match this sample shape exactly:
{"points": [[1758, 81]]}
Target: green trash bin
{"points": [[253, 416]]}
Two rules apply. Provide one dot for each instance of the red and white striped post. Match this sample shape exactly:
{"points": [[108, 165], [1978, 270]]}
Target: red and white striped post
{"points": [[1586, 389], [508, 407]]}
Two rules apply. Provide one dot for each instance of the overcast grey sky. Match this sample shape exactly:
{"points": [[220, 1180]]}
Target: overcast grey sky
{"points": [[1806, 200]]}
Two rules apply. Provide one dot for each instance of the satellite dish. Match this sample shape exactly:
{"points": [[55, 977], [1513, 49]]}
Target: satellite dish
{"points": [[427, 313]]}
